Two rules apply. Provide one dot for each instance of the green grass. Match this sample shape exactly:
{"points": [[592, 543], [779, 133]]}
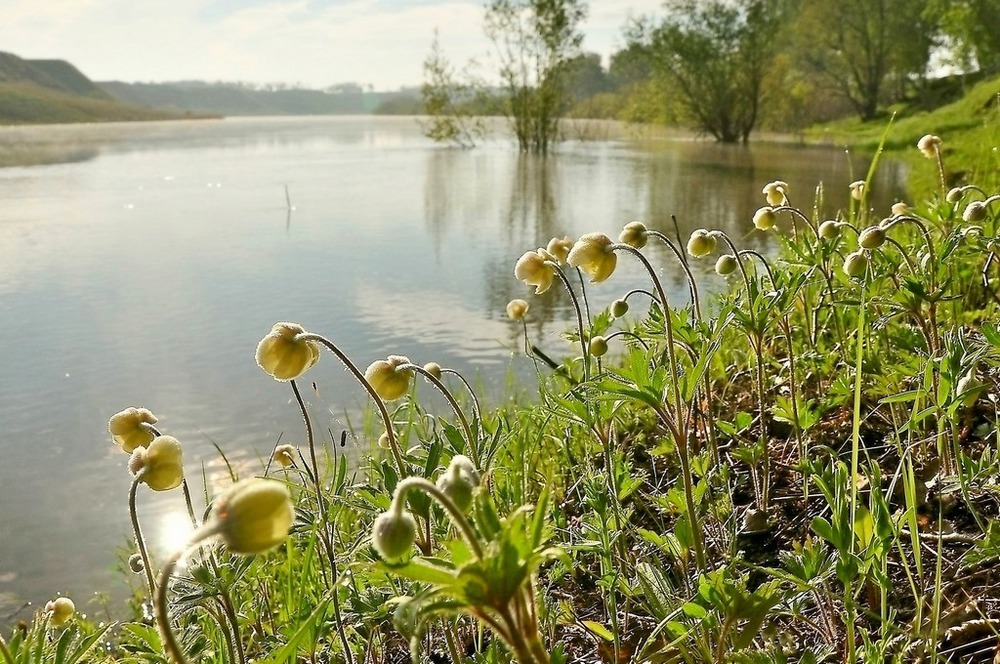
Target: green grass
{"points": [[26, 103]]}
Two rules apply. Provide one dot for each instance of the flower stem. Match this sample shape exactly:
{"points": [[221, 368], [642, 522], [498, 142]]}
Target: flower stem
{"points": [[139, 539], [431, 489], [469, 438]]}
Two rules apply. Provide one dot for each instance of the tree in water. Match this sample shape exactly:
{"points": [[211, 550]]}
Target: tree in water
{"points": [[449, 102]]}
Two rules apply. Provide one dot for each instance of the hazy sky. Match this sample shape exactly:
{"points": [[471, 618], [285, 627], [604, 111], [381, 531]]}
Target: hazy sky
{"points": [[315, 42]]}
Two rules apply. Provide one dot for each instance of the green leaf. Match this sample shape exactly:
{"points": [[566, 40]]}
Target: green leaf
{"points": [[425, 570], [598, 629]]}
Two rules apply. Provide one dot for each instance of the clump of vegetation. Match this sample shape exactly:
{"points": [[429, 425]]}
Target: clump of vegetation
{"points": [[803, 469]]}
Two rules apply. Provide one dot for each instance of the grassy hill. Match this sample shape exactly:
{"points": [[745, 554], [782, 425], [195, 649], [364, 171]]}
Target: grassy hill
{"points": [[54, 91], [968, 126]]}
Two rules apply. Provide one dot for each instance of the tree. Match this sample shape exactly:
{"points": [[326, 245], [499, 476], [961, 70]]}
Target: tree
{"points": [[716, 55], [973, 27], [534, 40], [857, 45], [448, 102]]}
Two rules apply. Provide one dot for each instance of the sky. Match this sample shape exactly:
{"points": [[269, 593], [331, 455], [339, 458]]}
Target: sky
{"points": [[316, 43]]}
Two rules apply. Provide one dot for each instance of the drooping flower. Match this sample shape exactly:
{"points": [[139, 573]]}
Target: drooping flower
{"points": [[872, 237], [858, 189], [701, 243], [955, 194], [974, 211], [389, 381], [559, 248], [829, 229], [160, 463], [635, 234], [929, 145], [393, 534], [127, 428], [856, 264], [619, 308], [282, 355], [776, 192], [284, 455], [533, 269], [593, 254], [900, 209], [764, 218], [726, 264], [434, 369], [60, 611], [460, 481], [598, 346], [253, 515], [516, 309]]}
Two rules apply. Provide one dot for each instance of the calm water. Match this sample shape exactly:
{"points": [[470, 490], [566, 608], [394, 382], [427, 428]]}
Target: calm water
{"points": [[144, 269]]}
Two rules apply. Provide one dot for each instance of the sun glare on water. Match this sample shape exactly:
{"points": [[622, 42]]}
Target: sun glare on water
{"points": [[175, 531]]}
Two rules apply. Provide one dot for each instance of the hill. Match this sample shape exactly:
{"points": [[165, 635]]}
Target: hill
{"points": [[241, 99], [54, 91]]}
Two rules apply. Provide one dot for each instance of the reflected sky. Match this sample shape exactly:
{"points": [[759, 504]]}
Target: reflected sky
{"points": [[145, 271]]}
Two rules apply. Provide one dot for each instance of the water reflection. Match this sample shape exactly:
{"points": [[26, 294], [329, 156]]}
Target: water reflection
{"points": [[131, 281]]}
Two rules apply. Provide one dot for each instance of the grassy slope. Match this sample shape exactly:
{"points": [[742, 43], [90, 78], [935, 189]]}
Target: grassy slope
{"points": [[26, 103], [969, 128]]}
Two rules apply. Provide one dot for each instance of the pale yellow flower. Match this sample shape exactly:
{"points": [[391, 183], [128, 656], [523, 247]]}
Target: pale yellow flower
{"points": [[516, 309], [858, 189], [900, 209], [701, 243], [60, 611], [127, 428], [534, 269], [160, 463], [593, 254], [559, 248], [387, 379], [776, 192], [764, 218], [282, 355], [929, 145], [285, 455], [253, 515], [635, 234]]}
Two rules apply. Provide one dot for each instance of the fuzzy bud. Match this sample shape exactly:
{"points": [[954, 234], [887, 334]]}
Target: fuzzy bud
{"points": [[460, 481], [929, 145], [857, 189], [726, 264], [253, 515], [872, 237], [856, 264], [393, 534], [127, 428], [284, 455], [598, 346], [60, 611], [389, 381], [974, 211], [829, 229], [434, 369], [701, 243], [619, 308], [635, 234], [516, 309], [955, 194], [764, 219], [900, 209], [282, 355]]}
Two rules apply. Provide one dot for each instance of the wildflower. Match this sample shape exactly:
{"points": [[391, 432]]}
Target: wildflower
{"points": [[559, 248], [160, 463], [383, 441], [829, 229], [764, 218], [955, 194], [127, 428], [516, 309], [253, 515], [635, 234], [872, 237], [701, 243], [460, 481], [598, 346], [282, 355], [60, 611], [434, 369], [284, 455], [856, 264], [929, 145], [619, 308], [393, 533], [726, 264], [974, 211], [776, 192], [900, 209], [858, 189], [593, 254], [534, 269], [387, 379]]}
